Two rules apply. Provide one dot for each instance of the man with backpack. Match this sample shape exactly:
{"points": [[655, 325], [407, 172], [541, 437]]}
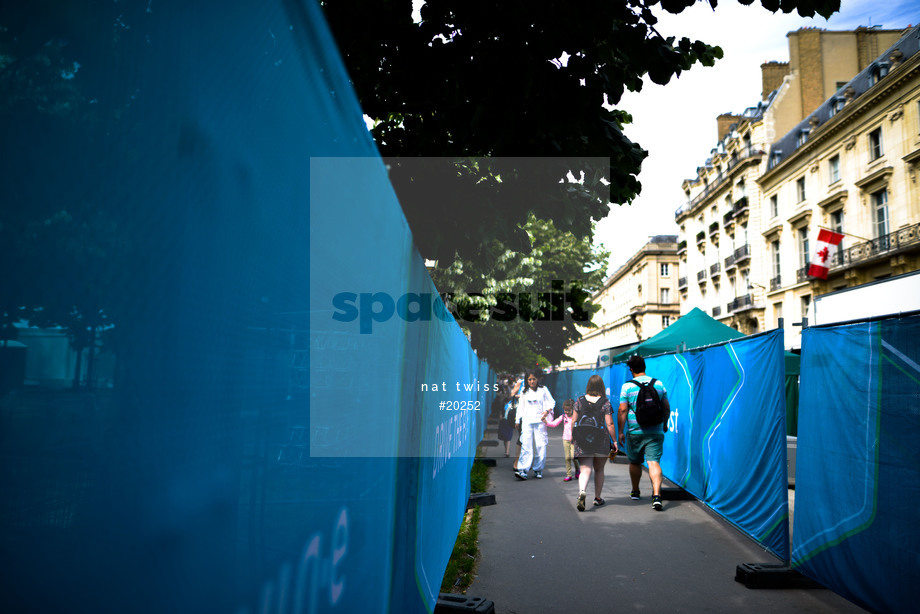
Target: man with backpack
{"points": [[643, 418]]}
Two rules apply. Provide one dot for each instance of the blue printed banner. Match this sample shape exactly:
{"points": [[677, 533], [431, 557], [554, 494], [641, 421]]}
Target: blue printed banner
{"points": [[726, 439], [858, 462]]}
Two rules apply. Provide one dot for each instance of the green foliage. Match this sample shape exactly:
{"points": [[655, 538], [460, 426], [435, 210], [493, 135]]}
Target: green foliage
{"points": [[554, 256], [459, 573], [479, 477]]}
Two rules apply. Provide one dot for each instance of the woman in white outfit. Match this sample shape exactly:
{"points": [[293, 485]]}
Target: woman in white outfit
{"points": [[533, 406]]}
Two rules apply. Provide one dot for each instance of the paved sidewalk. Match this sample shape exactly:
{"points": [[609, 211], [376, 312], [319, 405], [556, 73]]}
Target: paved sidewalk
{"points": [[539, 554]]}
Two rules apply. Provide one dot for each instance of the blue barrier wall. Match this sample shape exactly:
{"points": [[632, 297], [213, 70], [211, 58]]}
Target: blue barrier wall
{"points": [[726, 439], [209, 171], [858, 463]]}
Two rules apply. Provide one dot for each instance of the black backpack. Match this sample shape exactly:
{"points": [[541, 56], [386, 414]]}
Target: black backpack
{"points": [[590, 432], [649, 411]]}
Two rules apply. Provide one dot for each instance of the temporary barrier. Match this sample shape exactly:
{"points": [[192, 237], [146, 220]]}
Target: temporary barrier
{"points": [[858, 465], [726, 440], [204, 200]]}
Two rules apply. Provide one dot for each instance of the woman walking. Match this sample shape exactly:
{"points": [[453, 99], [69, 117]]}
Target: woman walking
{"points": [[533, 407], [594, 404]]}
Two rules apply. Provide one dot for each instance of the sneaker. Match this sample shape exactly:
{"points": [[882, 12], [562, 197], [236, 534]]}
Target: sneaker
{"points": [[538, 475], [567, 478], [634, 495], [521, 475], [581, 502], [656, 503], [598, 502]]}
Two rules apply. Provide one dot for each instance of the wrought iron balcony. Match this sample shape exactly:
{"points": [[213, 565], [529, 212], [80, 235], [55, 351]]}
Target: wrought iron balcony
{"points": [[742, 253], [701, 276], [728, 219], [682, 246], [715, 269], [716, 311], [802, 274], [740, 206], [776, 283], [741, 303], [729, 263], [700, 236], [713, 228], [900, 240], [682, 283]]}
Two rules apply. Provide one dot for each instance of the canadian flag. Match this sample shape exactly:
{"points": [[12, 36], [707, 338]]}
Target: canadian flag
{"points": [[828, 242]]}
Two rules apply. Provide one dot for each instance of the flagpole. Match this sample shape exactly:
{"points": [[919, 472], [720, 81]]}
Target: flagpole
{"points": [[840, 232]]}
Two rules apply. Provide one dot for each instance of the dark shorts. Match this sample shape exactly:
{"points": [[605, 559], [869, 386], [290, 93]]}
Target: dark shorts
{"points": [[641, 447]]}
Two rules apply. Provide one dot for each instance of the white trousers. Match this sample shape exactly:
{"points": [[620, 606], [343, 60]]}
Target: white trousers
{"points": [[534, 439]]}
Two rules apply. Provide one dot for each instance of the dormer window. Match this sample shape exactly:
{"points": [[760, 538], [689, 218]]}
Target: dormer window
{"points": [[776, 156], [879, 71], [802, 138], [837, 104]]}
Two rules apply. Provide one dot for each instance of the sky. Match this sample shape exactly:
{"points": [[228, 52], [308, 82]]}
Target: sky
{"points": [[676, 123]]}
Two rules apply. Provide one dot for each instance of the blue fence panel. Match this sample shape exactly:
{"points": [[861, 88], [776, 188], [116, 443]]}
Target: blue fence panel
{"points": [[858, 461], [230, 446], [726, 435]]}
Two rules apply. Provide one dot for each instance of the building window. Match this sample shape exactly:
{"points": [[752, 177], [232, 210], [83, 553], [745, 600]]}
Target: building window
{"points": [[774, 256], [879, 72], [665, 269], [837, 226], [800, 189], [875, 144], [806, 303], [778, 312], [804, 256], [833, 168], [776, 156], [665, 321], [880, 203], [802, 138], [774, 206], [665, 296]]}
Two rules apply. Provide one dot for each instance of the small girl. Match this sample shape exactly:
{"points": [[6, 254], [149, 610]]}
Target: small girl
{"points": [[568, 406]]}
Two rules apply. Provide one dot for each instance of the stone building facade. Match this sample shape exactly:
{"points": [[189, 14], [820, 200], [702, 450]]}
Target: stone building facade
{"points": [[637, 302]]}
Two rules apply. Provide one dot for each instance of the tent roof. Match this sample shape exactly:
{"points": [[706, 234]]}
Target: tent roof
{"points": [[695, 329]]}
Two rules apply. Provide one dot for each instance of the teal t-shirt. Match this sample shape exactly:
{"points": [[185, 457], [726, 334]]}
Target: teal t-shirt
{"points": [[628, 394]]}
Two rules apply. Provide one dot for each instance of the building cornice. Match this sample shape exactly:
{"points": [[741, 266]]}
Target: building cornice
{"points": [[838, 196]]}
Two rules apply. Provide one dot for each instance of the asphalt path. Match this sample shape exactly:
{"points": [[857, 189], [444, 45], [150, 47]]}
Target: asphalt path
{"points": [[539, 554]]}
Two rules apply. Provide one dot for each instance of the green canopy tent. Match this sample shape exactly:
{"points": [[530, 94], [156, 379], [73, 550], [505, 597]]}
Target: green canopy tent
{"points": [[695, 329]]}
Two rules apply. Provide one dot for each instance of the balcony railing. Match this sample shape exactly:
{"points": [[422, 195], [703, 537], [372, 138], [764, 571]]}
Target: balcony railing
{"points": [[701, 276], [728, 218], [776, 283], [902, 239], [713, 228], [716, 312], [716, 185], [681, 283], [700, 236], [742, 253], [802, 274], [740, 206], [729, 263], [715, 269], [741, 303], [682, 246]]}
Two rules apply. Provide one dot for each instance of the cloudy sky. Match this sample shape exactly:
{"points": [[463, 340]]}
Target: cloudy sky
{"points": [[676, 123]]}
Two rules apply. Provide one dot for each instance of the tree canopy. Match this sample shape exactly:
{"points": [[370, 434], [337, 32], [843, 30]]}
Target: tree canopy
{"points": [[510, 78], [529, 90]]}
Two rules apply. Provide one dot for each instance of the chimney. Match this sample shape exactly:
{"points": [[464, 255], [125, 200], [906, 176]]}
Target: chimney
{"points": [[772, 74], [725, 122]]}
